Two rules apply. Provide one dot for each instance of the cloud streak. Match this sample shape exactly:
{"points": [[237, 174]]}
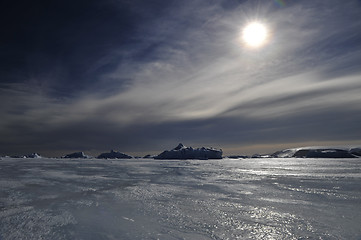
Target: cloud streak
{"points": [[184, 74]]}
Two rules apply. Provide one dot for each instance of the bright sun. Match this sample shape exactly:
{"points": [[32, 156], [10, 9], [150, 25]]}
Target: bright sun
{"points": [[255, 34]]}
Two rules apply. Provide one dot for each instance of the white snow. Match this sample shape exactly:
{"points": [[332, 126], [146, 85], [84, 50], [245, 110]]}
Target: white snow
{"points": [[265, 198], [183, 152]]}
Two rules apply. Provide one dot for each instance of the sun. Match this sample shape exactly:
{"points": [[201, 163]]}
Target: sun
{"points": [[255, 34]]}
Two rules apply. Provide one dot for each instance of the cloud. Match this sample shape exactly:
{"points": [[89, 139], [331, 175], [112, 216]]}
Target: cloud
{"points": [[183, 74]]}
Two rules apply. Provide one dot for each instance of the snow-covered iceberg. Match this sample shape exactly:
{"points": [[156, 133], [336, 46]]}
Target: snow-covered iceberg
{"points": [[355, 151], [318, 152], [114, 154], [76, 155], [33, 155], [323, 153], [183, 152]]}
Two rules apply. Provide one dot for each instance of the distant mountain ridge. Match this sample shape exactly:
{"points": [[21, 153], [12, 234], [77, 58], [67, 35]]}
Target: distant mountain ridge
{"points": [[203, 153]]}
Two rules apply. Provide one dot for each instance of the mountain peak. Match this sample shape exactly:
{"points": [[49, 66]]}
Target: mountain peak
{"points": [[180, 146]]}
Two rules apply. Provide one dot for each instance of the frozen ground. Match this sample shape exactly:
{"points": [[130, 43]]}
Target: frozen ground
{"points": [[185, 199]]}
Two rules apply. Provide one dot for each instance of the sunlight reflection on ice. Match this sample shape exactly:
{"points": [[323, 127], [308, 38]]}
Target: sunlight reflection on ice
{"points": [[189, 199]]}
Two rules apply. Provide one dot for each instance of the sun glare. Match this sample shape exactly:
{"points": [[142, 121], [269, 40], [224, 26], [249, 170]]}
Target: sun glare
{"points": [[255, 34]]}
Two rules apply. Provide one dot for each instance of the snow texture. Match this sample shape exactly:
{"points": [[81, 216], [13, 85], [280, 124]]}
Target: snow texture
{"points": [[265, 198], [183, 152]]}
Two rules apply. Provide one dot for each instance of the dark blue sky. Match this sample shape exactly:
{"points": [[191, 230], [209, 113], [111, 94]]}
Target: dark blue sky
{"points": [[140, 76]]}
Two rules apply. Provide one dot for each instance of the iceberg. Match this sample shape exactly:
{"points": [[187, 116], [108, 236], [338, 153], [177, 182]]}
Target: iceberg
{"points": [[76, 155], [355, 151], [318, 152], [33, 155], [113, 155], [183, 152], [323, 153]]}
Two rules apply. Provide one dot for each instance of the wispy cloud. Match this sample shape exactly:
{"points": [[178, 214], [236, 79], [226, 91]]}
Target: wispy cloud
{"points": [[185, 69]]}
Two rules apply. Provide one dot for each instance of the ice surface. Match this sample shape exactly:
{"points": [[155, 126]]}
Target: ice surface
{"points": [[284, 198], [183, 152]]}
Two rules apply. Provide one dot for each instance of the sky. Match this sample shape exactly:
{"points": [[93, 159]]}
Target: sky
{"points": [[140, 76]]}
